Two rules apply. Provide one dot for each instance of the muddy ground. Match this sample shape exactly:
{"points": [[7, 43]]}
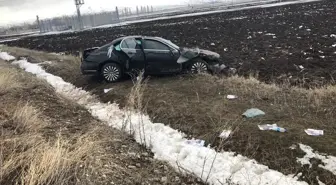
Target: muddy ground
{"points": [[269, 43]]}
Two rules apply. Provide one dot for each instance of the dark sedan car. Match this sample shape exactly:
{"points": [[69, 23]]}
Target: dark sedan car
{"points": [[154, 55]]}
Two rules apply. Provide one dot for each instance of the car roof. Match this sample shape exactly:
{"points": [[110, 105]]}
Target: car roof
{"points": [[144, 37]]}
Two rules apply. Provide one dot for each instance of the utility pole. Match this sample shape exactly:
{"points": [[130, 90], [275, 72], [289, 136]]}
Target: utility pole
{"points": [[38, 23], [78, 4]]}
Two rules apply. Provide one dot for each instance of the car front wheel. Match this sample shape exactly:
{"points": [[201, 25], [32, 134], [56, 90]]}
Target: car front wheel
{"points": [[111, 72], [198, 66]]}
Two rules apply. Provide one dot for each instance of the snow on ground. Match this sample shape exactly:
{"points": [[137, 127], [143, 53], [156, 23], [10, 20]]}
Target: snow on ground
{"points": [[7, 40], [168, 144], [6, 56], [329, 161]]}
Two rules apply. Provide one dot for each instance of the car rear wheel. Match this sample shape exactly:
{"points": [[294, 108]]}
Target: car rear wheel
{"points": [[111, 72], [198, 66]]}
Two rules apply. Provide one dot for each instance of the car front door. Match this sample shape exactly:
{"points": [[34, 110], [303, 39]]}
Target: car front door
{"points": [[136, 57], [159, 58]]}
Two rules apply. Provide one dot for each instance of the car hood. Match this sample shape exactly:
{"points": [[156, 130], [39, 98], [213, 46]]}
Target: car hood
{"points": [[190, 53]]}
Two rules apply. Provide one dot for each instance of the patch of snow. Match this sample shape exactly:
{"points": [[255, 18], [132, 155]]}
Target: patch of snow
{"points": [[6, 56], [322, 56], [333, 35], [168, 144], [249, 37], [238, 18], [334, 45], [270, 34], [8, 40], [300, 26], [301, 67], [225, 49], [308, 29], [329, 161], [195, 142], [212, 44], [225, 134], [293, 147]]}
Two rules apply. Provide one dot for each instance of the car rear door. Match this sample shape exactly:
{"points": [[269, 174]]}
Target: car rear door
{"points": [[159, 58], [133, 50]]}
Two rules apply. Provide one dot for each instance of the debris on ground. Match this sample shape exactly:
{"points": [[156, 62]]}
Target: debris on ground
{"points": [[254, 112], [231, 97], [225, 134], [195, 142], [314, 132], [293, 147], [273, 127], [107, 90]]}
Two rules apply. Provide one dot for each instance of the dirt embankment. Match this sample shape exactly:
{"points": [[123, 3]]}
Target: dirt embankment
{"points": [[48, 139]]}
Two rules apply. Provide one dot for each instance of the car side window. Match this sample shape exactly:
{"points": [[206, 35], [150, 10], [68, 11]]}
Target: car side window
{"points": [[152, 44], [130, 43]]}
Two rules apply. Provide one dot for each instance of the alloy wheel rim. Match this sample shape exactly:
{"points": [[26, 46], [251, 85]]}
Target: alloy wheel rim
{"points": [[199, 67], [111, 73]]}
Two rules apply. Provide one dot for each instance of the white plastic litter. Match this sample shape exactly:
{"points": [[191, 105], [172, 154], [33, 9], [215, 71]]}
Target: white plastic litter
{"points": [[301, 67], [293, 147], [225, 134], [231, 97], [314, 132], [273, 127], [107, 90], [333, 35], [250, 113]]}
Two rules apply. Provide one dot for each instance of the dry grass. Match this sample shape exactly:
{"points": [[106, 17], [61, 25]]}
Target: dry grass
{"points": [[27, 155], [8, 80], [59, 64]]}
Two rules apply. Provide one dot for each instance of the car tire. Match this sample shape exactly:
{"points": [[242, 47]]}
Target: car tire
{"points": [[198, 66], [111, 72]]}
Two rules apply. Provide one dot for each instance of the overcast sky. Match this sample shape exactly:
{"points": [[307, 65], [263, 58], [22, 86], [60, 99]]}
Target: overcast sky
{"points": [[14, 11]]}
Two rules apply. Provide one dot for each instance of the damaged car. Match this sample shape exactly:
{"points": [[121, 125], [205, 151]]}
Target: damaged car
{"points": [[154, 55]]}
